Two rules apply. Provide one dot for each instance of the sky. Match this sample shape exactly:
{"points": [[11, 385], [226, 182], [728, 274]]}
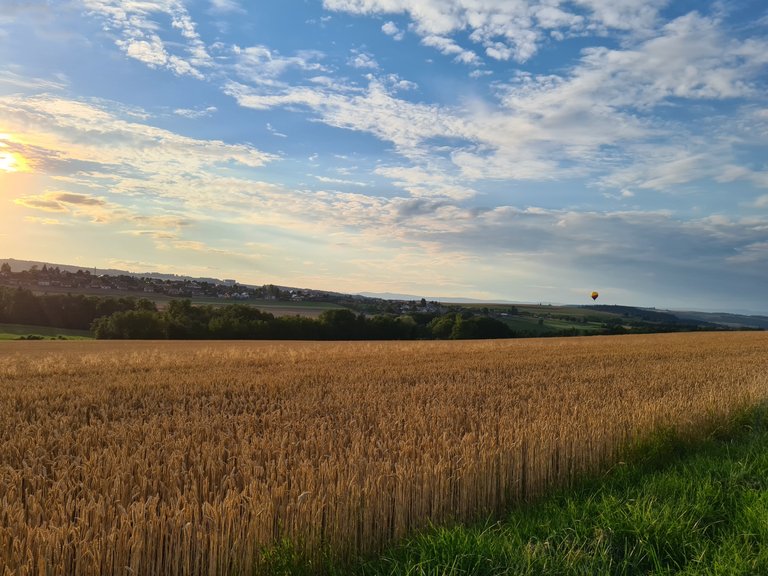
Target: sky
{"points": [[521, 150]]}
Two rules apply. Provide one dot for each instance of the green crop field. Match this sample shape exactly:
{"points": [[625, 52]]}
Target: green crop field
{"points": [[276, 307], [17, 331]]}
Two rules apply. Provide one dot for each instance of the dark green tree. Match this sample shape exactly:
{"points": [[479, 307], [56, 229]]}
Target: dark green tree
{"points": [[342, 324], [130, 324], [442, 326], [186, 322]]}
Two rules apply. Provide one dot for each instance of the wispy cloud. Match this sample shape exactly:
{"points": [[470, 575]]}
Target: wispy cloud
{"points": [[450, 48], [513, 29], [602, 114], [630, 164], [43, 221], [341, 181], [225, 6], [363, 60], [97, 209], [196, 113], [139, 34], [137, 176], [271, 129], [89, 131], [13, 80], [261, 65]]}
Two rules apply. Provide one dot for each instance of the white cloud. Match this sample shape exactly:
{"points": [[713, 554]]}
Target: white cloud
{"points": [[690, 58], [426, 182], [16, 81], [551, 17], [197, 113], [399, 84], [638, 15], [341, 181], [477, 73], [450, 48], [95, 127], [275, 132], [226, 6], [140, 35], [151, 52], [390, 29], [260, 65], [363, 60], [510, 28], [375, 110], [85, 145], [601, 115]]}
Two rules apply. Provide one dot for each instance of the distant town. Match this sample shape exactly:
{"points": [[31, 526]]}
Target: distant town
{"points": [[46, 278], [522, 319]]}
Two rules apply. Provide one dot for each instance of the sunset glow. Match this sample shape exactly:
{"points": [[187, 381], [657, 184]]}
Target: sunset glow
{"points": [[13, 162], [527, 151]]}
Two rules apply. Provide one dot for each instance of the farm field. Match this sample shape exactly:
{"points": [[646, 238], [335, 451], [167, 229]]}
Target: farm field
{"points": [[531, 325], [15, 331], [673, 506], [198, 457], [276, 307]]}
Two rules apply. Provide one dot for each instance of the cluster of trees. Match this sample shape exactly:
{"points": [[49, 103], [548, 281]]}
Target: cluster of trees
{"points": [[77, 312], [182, 320], [132, 318]]}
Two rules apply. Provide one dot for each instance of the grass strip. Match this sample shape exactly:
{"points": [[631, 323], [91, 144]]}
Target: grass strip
{"points": [[673, 506]]}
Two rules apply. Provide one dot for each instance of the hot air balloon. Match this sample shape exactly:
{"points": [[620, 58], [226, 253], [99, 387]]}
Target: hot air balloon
{"points": [[595, 295]]}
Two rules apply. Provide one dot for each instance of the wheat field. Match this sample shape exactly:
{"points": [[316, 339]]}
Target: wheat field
{"points": [[150, 458]]}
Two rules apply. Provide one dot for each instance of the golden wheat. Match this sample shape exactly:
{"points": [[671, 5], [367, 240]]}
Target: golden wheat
{"points": [[192, 458]]}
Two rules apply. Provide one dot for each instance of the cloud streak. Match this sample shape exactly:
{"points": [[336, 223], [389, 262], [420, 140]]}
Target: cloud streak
{"points": [[139, 33], [513, 29]]}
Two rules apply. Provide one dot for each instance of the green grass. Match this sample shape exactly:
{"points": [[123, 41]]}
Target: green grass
{"points": [[19, 331], [684, 507], [277, 307], [531, 324], [676, 507]]}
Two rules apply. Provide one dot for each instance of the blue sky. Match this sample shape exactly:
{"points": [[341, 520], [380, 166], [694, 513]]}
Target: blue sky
{"points": [[493, 149]]}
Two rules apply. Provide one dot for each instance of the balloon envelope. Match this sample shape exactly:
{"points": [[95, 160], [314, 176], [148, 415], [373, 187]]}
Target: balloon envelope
{"points": [[594, 295]]}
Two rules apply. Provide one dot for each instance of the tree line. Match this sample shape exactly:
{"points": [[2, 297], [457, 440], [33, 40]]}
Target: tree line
{"points": [[182, 320], [132, 318], [72, 311]]}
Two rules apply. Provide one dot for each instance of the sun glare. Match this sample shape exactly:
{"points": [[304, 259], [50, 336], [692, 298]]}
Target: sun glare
{"points": [[11, 161]]}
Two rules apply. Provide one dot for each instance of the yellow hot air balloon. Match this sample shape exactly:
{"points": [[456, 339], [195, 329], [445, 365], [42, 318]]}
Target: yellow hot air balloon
{"points": [[595, 295]]}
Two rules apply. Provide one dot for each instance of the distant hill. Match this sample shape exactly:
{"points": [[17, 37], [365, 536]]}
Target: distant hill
{"points": [[702, 319], [725, 319], [19, 265], [443, 299], [652, 315]]}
